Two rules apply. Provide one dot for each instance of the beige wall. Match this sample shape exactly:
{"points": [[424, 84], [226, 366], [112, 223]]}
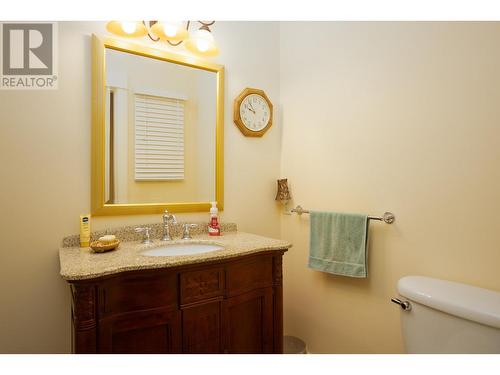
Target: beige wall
{"points": [[45, 170], [389, 116], [396, 116]]}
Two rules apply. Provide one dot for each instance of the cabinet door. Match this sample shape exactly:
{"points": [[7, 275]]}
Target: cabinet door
{"points": [[144, 332], [248, 322], [201, 328]]}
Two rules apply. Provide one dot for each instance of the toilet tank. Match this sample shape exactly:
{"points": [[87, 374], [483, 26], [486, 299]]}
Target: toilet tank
{"points": [[449, 317]]}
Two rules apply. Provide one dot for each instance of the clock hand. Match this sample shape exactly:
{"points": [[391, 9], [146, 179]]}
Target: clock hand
{"points": [[250, 108]]}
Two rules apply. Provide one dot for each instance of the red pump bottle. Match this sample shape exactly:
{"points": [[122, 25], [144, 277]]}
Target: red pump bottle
{"points": [[213, 226]]}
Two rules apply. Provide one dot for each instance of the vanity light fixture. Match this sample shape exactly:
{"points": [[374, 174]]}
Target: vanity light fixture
{"points": [[200, 42]]}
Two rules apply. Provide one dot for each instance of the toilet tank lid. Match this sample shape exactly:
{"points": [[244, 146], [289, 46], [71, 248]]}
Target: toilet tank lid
{"points": [[465, 301]]}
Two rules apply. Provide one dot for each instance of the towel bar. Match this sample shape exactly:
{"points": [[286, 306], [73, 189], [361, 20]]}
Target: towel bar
{"points": [[388, 217]]}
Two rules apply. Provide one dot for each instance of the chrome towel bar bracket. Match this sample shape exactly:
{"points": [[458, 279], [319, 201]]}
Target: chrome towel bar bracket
{"points": [[388, 217]]}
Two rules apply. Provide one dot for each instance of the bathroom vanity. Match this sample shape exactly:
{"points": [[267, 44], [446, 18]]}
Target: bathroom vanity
{"points": [[226, 301]]}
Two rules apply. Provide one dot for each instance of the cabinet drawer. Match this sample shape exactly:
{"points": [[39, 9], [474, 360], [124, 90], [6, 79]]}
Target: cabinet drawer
{"points": [[249, 275], [199, 285], [137, 292]]}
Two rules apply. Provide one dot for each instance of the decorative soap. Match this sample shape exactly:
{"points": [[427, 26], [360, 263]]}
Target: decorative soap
{"points": [[107, 239]]}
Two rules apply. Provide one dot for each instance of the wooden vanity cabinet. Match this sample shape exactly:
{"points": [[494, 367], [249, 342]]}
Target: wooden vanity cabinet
{"points": [[230, 306]]}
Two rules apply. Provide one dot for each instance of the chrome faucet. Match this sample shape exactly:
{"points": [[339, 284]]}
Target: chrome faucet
{"points": [[167, 218], [185, 234], [146, 238]]}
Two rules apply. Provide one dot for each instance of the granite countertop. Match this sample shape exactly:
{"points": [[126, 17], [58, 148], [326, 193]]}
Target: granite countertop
{"points": [[82, 263]]}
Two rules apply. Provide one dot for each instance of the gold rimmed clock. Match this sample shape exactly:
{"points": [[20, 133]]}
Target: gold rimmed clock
{"points": [[253, 112]]}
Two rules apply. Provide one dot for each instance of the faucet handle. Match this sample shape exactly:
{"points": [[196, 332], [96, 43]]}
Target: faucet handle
{"points": [[186, 235], [146, 238]]}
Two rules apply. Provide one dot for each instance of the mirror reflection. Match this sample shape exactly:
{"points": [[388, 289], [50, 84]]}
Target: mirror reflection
{"points": [[160, 131]]}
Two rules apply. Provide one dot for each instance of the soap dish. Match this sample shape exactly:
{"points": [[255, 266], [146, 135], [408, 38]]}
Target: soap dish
{"points": [[100, 247]]}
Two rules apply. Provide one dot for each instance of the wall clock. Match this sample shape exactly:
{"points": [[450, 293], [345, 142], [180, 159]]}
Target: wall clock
{"points": [[253, 112]]}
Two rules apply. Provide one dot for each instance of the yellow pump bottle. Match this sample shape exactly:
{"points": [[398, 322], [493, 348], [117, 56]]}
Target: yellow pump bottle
{"points": [[85, 230]]}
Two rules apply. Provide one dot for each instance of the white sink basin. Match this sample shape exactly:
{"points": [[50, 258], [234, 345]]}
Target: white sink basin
{"points": [[181, 249]]}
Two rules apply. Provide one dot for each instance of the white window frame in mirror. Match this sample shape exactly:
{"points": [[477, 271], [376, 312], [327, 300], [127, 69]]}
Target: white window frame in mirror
{"points": [[99, 207]]}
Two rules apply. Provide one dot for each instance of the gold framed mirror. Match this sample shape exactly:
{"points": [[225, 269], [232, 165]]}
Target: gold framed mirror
{"points": [[157, 130]]}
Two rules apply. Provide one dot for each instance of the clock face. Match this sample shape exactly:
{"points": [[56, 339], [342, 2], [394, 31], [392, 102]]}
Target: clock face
{"points": [[255, 112]]}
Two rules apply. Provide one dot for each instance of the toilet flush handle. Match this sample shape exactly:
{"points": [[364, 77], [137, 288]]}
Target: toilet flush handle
{"points": [[405, 305]]}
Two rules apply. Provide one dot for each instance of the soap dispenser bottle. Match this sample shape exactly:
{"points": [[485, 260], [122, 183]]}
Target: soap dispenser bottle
{"points": [[213, 226]]}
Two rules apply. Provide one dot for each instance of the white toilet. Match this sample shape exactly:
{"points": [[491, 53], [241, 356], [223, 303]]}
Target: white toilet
{"points": [[441, 316]]}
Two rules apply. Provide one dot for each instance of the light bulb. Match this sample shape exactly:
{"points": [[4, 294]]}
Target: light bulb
{"points": [[202, 45], [204, 39], [128, 27], [171, 28]]}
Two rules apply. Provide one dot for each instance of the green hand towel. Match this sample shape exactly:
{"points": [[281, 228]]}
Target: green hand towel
{"points": [[338, 243]]}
